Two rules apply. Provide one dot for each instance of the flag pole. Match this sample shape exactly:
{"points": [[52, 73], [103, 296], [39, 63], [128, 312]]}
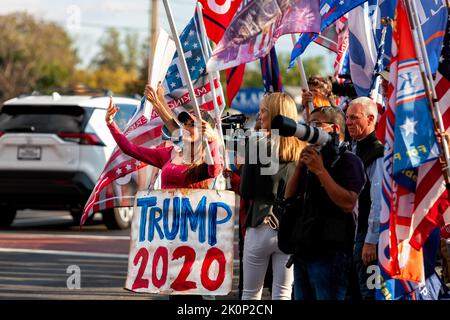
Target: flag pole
{"points": [[427, 78], [385, 22], [207, 55], [211, 81], [185, 71], [303, 81]]}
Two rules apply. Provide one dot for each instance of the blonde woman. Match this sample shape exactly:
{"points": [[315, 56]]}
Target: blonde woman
{"points": [[262, 190]]}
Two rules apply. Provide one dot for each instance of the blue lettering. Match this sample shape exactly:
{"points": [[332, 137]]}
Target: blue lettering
{"points": [[182, 216], [213, 222], [196, 218], [154, 223], [408, 79], [144, 203], [432, 7], [170, 235]]}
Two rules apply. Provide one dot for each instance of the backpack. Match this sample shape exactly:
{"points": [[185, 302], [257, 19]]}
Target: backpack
{"points": [[288, 211]]}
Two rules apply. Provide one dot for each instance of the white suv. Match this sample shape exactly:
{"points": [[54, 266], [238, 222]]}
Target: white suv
{"points": [[52, 151]]}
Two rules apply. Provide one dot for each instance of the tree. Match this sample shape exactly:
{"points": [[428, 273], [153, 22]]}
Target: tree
{"points": [[132, 53], [111, 56], [34, 55]]}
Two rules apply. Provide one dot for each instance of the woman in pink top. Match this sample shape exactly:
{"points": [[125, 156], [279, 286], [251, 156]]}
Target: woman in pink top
{"points": [[185, 168]]}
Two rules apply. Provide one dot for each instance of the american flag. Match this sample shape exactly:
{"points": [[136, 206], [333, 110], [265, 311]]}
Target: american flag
{"points": [[335, 39], [195, 58], [443, 94], [123, 176], [411, 197]]}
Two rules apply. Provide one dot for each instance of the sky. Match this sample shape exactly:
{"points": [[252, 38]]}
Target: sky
{"points": [[86, 21]]}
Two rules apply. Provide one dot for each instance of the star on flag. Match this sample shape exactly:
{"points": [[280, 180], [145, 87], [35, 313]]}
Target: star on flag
{"points": [[409, 127]]}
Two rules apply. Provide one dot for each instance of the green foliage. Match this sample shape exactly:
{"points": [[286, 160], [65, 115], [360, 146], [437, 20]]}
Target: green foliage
{"points": [[116, 67], [110, 55], [313, 66], [33, 55]]}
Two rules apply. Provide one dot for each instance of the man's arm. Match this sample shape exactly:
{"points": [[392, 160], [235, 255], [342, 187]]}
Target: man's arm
{"points": [[343, 198], [369, 251], [375, 173]]}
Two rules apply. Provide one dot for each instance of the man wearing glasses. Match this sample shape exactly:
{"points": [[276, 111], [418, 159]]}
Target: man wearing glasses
{"points": [[328, 183], [361, 119]]}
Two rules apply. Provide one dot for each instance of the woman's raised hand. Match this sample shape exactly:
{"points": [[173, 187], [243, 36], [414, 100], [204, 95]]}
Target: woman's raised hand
{"points": [[208, 132], [150, 94], [160, 91], [111, 111]]}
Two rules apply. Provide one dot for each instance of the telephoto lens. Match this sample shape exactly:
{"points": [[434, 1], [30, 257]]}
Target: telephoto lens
{"points": [[287, 127]]}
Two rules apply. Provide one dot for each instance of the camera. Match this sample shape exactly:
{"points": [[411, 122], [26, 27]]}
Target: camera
{"points": [[235, 121]]}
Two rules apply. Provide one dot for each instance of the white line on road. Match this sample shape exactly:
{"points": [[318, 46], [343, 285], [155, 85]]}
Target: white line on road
{"points": [[67, 253], [43, 235]]}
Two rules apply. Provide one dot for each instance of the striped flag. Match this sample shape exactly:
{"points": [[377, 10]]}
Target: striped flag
{"points": [[123, 176], [442, 86], [335, 39], [412, 182]]}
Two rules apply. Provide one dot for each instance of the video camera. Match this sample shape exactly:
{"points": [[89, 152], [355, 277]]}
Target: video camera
{"points": [[234, 121]]}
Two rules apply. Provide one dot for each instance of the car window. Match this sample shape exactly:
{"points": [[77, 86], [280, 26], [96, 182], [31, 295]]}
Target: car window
{"points": [[43, 118], [124, 114]]}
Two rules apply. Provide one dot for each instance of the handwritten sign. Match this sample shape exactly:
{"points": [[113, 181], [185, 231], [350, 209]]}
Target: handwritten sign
{"points": [[182, 242]]}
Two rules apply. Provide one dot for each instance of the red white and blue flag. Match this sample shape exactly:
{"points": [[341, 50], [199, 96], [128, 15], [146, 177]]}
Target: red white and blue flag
{"points": [[412, 181], [255, 29], [123, 176], [335, 38]]}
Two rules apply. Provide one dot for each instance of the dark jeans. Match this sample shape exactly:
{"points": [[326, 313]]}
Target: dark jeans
{"points": [[324, 278], [361, 269]]}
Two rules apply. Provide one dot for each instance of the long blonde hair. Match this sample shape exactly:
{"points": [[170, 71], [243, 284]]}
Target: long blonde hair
{"points": [[280, 103]]}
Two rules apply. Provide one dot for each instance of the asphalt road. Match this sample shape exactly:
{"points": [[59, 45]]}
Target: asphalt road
{"points": [[43, 249]]}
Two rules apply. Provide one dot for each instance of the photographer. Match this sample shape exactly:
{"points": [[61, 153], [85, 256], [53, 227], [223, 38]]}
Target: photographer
{"points": [[328, 182]]}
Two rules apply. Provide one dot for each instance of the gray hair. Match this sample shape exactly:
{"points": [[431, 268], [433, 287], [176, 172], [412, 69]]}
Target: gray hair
{"points": [[369, 106]]}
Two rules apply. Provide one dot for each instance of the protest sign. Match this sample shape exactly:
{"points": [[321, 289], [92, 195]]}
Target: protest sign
{"points": [[182, 242]]}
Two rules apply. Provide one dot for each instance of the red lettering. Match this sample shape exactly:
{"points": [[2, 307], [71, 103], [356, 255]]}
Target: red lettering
{"points": [[181, 283], [160, 253], [139, 282], [213, 254]]}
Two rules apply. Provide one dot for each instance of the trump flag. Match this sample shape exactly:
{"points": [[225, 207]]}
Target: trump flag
{"points": [[255, 29]]}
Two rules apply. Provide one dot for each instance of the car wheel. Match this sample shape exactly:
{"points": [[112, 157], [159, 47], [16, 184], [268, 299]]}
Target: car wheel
{"points": [[118, 218], [7, 215]]}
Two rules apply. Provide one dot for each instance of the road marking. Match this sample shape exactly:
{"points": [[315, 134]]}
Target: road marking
{"points": [[42, 235], [75, 253], [66, 253]]}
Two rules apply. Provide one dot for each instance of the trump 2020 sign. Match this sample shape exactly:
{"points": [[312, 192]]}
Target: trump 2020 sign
{"points": [[182, 242]]}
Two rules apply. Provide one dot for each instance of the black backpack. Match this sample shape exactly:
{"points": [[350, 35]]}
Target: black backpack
{"points": [[288, 211]]}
